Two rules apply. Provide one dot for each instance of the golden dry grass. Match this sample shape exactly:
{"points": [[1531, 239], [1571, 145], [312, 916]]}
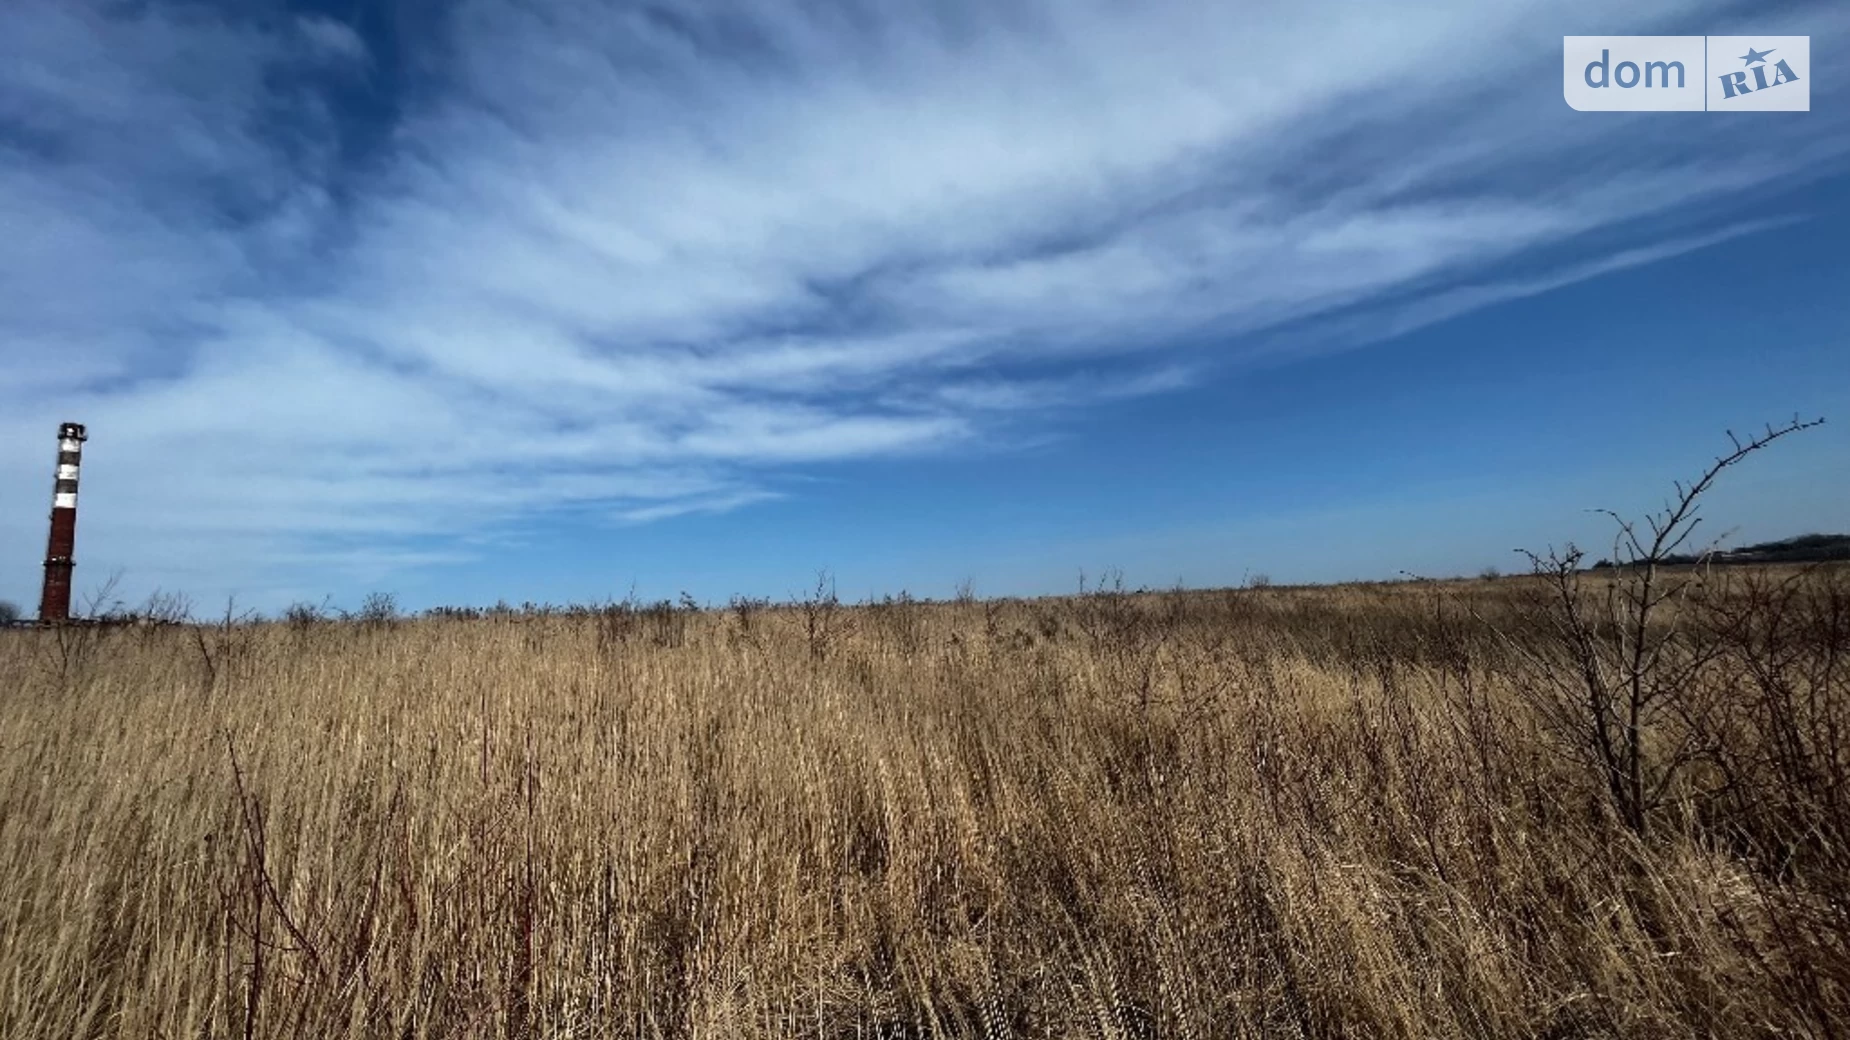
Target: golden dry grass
{"points": [[1266, 813]]}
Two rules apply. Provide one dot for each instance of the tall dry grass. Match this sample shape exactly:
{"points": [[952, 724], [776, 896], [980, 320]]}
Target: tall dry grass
{"points": [[1278, 812]]}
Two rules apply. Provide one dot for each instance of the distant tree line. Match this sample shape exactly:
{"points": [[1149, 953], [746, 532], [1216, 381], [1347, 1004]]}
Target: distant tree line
{"points": [[1806, 548]]}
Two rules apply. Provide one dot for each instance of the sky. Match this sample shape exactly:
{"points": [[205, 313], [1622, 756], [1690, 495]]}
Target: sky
{"points": [[500, 300]]}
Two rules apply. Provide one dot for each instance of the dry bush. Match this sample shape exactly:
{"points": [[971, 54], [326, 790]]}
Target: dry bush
{"points": [[1261, 812], [1622, 684]]}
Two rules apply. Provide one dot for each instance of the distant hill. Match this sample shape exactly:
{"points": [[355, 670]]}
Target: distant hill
{"points": [[1806, 548]]}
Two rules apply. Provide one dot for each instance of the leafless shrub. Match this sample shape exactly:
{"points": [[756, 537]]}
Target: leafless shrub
{"points": [[745, 612], [225, 647], [825, 622], [965, 594], [618, 622], [378, 610], [102, 603], [164, 608], [667, 621], [158, 616], [1617, 684], [1770, 722], [74, 646], [301, 618]]}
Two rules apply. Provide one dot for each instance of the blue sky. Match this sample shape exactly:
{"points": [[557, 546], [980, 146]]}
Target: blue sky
{"points": [[550, 301]]}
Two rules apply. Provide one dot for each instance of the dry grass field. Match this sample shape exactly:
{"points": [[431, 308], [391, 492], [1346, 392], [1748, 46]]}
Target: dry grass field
{"points": [[1354, 811]]}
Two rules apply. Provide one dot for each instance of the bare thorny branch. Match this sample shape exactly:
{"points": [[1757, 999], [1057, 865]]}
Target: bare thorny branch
{"points": [[1631, 664]]}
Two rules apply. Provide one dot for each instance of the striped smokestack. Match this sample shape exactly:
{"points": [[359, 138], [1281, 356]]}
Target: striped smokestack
{"points": [[55, 600]]}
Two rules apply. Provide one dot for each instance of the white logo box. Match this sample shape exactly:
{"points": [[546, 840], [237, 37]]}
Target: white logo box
{"points": [[1686, 73]]}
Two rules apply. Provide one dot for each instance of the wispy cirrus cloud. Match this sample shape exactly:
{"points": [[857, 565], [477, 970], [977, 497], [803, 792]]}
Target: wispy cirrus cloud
{"points": [[646, 257]]}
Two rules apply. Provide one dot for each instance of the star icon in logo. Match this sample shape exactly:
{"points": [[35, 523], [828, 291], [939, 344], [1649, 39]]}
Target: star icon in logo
{"points": [[1753, 56]]}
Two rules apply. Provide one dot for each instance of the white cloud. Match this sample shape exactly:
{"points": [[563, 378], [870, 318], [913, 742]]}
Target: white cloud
{"points": [[694, 506], [641, 259], [336, 39]]}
